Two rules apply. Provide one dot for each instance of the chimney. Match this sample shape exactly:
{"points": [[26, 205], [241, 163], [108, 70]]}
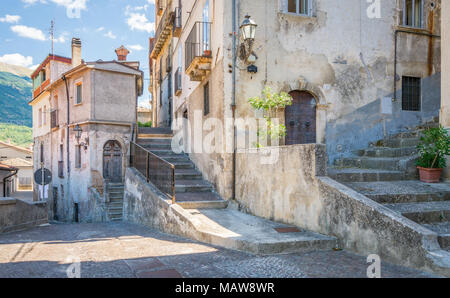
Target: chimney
{"points": [[122, 53], [76, 52]]}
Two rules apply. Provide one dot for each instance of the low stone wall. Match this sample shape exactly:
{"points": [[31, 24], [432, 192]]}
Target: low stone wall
{"points": [[295, 190], [16, 215]]}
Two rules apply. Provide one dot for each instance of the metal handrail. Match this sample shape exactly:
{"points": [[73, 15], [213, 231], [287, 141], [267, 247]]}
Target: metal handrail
{"points": [[150, 172]]}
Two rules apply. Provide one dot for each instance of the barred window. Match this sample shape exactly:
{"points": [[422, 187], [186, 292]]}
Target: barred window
{"points": [[411, 94], [206, 99]]}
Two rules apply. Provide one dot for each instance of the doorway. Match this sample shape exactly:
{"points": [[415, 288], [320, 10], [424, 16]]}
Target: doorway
{"points": [[112, 161], [300, 119]]}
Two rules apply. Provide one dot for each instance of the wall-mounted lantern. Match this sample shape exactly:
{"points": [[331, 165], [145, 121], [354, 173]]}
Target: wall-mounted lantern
{"points": [[248, 32], [78, 132]]}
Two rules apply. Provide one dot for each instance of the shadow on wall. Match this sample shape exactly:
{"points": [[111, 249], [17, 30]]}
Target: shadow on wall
{"points": [[365, 125]]}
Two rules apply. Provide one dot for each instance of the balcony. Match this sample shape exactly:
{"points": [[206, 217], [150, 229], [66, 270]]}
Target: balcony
{"points": [[159, 7], [54, 119], [198, 51], [41, 88], [163, 33], [178, 78]]}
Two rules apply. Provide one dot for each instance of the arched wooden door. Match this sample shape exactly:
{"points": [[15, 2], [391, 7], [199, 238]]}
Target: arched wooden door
{"points": [[300, 119], [112, 161]]}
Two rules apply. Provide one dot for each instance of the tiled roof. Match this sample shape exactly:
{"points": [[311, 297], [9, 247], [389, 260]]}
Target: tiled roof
{"points": [[17, 162]]}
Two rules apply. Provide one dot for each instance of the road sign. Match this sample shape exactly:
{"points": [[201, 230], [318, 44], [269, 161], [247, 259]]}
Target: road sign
{"points": [[46, 179]]}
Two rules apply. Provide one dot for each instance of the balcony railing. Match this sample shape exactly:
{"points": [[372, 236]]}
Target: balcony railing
{"points": [[178, 22], [54, 119], [178, 84], [155, 169], [198, 51]]}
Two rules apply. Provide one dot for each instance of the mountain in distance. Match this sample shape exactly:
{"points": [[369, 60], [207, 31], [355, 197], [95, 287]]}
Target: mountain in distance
{"points": [[15, 93]]}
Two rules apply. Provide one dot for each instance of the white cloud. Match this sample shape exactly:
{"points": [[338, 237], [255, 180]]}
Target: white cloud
{"points": [[138, 21], [62, 38], [17, 59], [100, 29], [30, 2], [110, 35], [29, 32], [10, 19], [136, 47], [72, 4]]}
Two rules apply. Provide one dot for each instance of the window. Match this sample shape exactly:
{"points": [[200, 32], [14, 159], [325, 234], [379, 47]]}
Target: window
{"points": [[42, 152], [40, 117], [206, 99], [44, 75], [78, 157], [79, 98], [411, 94], [413, 13], [44, 115], [300, 7]]}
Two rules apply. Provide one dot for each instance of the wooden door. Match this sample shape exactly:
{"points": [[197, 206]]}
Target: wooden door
{"points": [[300, 119], [112, 161]]}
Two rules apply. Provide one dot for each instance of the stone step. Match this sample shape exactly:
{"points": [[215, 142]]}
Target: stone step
{"points": [[151, 141], [186, 186], [175, 158], [394, 192], [115, 209], [381, 163], [424, 213], [187, 174], [400, 142], [152, 147], [240, 231], [116, 200], [115, 204], [183, 165], [364, 175], [200, 200], [443, 230], [387, 152], [167, 153]]}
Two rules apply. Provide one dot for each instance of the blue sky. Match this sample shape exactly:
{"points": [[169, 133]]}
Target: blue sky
{"points": [[102, 25]]}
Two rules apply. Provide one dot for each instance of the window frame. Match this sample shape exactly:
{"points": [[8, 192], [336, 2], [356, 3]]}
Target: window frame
{"points": [[406, 107], [413, 20], [78, 85], [309, 12]]}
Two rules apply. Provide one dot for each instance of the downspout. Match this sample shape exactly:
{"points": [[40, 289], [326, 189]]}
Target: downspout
{"points": [[233, 98], [395, 52], [67, 136], [6, 178]]}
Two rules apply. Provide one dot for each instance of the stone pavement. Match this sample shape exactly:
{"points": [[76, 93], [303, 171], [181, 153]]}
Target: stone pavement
{"points": [[128, 250]]}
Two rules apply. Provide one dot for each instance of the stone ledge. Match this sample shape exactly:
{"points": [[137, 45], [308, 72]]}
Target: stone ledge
{"points": [[8, 201]]}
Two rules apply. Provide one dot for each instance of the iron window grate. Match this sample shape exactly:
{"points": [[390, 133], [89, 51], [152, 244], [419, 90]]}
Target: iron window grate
{"points": [[411, 94]]}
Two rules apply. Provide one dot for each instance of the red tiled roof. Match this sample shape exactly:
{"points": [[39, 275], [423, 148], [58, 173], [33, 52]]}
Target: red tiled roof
{"points": [[47, 60]]}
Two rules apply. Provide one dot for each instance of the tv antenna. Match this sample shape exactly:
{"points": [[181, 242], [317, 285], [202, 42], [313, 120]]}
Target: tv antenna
{"points": [[52, 34]]}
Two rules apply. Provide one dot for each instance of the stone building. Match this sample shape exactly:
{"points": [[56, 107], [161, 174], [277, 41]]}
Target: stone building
{"points": [[445, 110], [84, 116], [7, 176], [364, 71], [21, 158]]}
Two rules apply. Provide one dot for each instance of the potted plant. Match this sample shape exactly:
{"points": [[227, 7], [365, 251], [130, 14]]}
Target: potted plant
{"points": [[433, 149]]}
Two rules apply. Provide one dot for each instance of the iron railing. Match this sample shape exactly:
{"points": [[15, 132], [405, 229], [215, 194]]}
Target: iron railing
{"points": [[198, 43], [155, 169], [178, 79]]}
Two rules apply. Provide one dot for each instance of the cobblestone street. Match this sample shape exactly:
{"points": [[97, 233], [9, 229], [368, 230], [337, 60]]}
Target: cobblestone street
{"points": [[128, 250]]}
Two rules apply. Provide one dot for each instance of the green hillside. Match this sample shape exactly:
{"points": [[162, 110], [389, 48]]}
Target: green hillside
{"points": [[18, 135], [15, 93]]}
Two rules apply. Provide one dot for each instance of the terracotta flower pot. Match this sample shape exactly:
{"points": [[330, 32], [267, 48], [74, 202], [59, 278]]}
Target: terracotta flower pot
{"points": [[430, 175], [207, 53]]}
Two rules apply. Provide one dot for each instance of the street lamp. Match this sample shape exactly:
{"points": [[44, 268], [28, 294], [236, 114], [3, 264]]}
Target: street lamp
{"points": [[248, 32]]}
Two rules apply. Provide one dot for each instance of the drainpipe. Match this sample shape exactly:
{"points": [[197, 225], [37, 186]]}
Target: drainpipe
{"points": [[7, 177], [395, 52], [233, 97], [67, 136]]}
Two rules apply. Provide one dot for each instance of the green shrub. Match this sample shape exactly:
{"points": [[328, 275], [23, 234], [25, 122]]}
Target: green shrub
{"points": [[148, 124], [433, 148]]}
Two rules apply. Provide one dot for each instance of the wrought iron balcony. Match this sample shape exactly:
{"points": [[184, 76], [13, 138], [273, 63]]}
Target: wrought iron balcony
{"points": [[198, 51]]}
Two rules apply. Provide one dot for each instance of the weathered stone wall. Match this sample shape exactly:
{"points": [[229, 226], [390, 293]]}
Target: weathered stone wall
{"points": [[294, 190], [18, 215], [445, 110]]}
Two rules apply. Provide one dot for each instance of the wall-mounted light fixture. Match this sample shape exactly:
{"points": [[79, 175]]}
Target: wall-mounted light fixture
{"points": [[248, 32], [78, 132]]}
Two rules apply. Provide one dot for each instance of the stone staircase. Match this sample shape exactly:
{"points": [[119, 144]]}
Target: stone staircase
{"points": [[386, 173], [115, 204], [211, 221], [191, 189]]}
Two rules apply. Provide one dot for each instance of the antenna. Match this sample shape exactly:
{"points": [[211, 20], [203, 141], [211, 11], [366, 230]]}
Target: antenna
{"points": [[52, 34]]}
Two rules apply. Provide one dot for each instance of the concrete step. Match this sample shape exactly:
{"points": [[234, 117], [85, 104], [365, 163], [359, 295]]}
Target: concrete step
{"points": [[387, 152], [236, 230], [443, 230], [115, 204], [116, 200], [155, 130], [175, 158], [151, 141], [167, 153], [183, 165], [152, 147], [382, 163], [115, 209], [364, 175], [184, 186], [200, 200], [400, 142], [394, 192], [424, 213], [187, 174]]}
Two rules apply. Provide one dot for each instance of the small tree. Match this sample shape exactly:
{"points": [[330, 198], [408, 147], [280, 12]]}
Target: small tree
{"points": [[270, 103], [433, 148]]}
